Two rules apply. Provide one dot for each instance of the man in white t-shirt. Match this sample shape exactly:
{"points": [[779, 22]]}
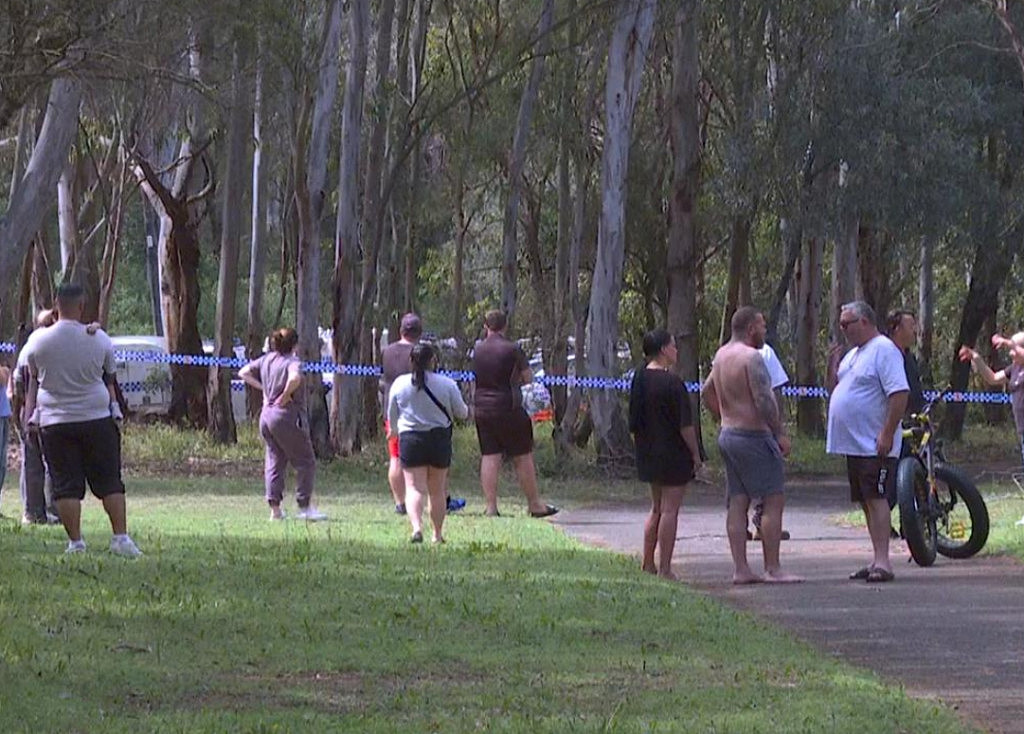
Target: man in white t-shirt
{"points": [[779, 378], [72, 375], [869, 396]]}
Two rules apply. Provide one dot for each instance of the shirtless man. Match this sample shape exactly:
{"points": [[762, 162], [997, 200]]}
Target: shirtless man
{"points": [[752, 441]]}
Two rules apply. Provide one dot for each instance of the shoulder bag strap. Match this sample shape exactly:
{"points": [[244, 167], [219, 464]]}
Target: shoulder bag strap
{"points": [[437, 402]]}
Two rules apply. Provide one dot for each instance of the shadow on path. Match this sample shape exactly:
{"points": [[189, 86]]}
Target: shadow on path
{"points": [[953, 632]]}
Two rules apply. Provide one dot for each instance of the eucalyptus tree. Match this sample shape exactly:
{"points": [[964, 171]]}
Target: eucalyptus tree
{"points": [[627, 54]]}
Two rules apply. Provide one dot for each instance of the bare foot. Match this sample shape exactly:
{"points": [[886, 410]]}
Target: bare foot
{"points": [[741, 579], [779, 577], [650, 569], [668, 576]]}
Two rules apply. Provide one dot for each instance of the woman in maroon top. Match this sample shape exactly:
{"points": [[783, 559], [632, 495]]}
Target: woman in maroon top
{"points": [[283, 424]]}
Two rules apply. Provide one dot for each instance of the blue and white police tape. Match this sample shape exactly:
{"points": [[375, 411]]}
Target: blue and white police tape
{"points": [[621, 384]]}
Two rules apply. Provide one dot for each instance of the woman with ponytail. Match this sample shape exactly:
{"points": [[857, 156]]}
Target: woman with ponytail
{"points": [[421, 408], [283, 424]]}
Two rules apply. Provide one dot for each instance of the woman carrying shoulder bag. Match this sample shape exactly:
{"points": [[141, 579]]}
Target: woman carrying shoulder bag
{"points": [[421, 408]]}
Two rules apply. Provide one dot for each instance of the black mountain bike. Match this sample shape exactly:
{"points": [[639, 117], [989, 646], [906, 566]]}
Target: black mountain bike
{"points": [[940, 508]]}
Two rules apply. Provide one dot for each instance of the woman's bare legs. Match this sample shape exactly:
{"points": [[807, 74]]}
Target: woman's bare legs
{"points": [[660, 529], [437, 483], [416, 483]]}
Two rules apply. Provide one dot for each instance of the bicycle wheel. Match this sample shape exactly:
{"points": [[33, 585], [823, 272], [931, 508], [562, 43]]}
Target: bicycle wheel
{"points": [[963, 517], [915, 516]]}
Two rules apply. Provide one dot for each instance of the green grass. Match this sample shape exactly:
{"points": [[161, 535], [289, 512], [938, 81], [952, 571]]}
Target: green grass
{"points": [[1005, 503], [232, 623]]}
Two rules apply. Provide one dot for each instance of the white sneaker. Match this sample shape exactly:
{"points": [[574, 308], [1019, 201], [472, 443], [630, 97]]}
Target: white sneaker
{"points": [[310, 514], [124, 546], [1020, 522], [75, 546]]}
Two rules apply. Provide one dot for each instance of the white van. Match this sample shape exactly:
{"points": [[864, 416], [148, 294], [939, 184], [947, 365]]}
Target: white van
{"points": [[145, 376]]}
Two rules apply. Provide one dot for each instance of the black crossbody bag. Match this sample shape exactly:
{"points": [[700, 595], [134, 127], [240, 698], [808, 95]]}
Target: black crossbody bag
{"points": [[447, 429]]}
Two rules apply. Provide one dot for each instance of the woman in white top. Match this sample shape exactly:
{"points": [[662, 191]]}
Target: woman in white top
{"points": [[421, 407]]}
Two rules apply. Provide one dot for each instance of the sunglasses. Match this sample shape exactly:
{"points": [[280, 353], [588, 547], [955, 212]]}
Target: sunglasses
{"points": [[845, 324]]}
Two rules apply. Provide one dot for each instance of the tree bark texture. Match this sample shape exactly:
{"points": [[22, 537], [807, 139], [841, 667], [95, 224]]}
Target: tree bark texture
{"points": [[517, 162], [808, 285], [346, 402], [684, 138], [310, 175], [255, 328], [221, 417], [631, 37], [35, 191]]}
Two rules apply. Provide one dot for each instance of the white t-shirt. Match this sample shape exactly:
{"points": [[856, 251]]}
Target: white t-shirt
{"points": [[410, 409], [776, 371], [868, 375], [69, 364]]}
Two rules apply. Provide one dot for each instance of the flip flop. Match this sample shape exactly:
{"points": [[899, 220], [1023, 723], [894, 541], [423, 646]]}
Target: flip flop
{"points": [[879, 576], [546, 512], [861, 574]]}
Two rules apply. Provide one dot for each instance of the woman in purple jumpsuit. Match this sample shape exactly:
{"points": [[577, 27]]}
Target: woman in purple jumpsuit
{"points": [[283, 424]]}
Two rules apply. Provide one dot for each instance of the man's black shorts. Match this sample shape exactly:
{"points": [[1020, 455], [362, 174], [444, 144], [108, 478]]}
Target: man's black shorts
{"points": [[89, 451], [872, 477], [510, 433]]}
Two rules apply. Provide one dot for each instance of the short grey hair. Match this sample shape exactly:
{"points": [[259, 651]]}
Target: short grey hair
{"points": [[862, 310]]}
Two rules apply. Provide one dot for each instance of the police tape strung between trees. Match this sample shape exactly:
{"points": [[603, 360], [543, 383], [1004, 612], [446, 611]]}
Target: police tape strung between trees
{"points": [[593, 383]]}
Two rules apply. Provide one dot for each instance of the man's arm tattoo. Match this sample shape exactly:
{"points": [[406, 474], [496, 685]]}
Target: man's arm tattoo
{"points": [[764, 398]]}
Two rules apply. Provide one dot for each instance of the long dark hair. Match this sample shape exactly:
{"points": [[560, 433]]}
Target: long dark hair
{"points": [[420, 357], [654, 341]]}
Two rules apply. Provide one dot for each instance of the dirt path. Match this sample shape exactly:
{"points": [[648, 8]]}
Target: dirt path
{"points": [[953, 632]]}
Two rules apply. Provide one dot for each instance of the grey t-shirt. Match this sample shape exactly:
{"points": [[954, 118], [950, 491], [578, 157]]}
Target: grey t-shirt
{"points": [[272, 369], [69, 364]]}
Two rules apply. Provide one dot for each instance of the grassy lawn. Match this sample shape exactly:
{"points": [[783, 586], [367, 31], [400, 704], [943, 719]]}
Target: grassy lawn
{"points": [[232, 623]]}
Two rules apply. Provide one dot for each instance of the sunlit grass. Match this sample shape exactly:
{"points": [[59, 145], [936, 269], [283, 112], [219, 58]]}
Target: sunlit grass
{"points": [[232, 623]]}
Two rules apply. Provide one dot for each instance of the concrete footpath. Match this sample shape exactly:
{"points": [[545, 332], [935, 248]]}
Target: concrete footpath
{"points": [[952, 632]]}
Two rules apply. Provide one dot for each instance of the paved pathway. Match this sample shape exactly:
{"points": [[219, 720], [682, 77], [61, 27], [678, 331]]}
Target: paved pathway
{"points": [[954, 631]]}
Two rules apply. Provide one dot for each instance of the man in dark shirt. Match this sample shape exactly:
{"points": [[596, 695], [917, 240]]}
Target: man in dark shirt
{"points": [[503, 428], [903, 332], [395, 361]]}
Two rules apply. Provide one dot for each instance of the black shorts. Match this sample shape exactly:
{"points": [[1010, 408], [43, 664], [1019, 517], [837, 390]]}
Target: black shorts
{"points": [[426, 448], [76, 453], [872, 477], [510, 433]]}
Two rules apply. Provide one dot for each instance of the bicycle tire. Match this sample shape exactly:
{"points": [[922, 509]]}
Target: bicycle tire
{"points": [[917, 520], [959, 486]]}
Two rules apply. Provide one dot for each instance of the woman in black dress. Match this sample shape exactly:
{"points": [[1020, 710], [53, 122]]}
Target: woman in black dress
{"points": [[667, 455]]}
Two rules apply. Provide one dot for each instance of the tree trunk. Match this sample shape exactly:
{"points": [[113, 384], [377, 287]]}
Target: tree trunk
{"points": [[517, 161], [374, 207], [844, 277], [42, 276], [310, 175], [112, 242], [684, 138], [988, 272], [28, 203], [739, 266], [346, 404], [926, 308], [221, 419], [254, 334], [631, 37], [808, 286], [873, 264]]}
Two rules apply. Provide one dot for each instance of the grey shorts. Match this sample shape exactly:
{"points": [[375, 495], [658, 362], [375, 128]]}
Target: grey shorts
{"points": [[753, 463]]}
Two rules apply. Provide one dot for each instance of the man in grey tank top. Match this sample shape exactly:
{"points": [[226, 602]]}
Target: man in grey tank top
{"points": [[72, 384]]}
